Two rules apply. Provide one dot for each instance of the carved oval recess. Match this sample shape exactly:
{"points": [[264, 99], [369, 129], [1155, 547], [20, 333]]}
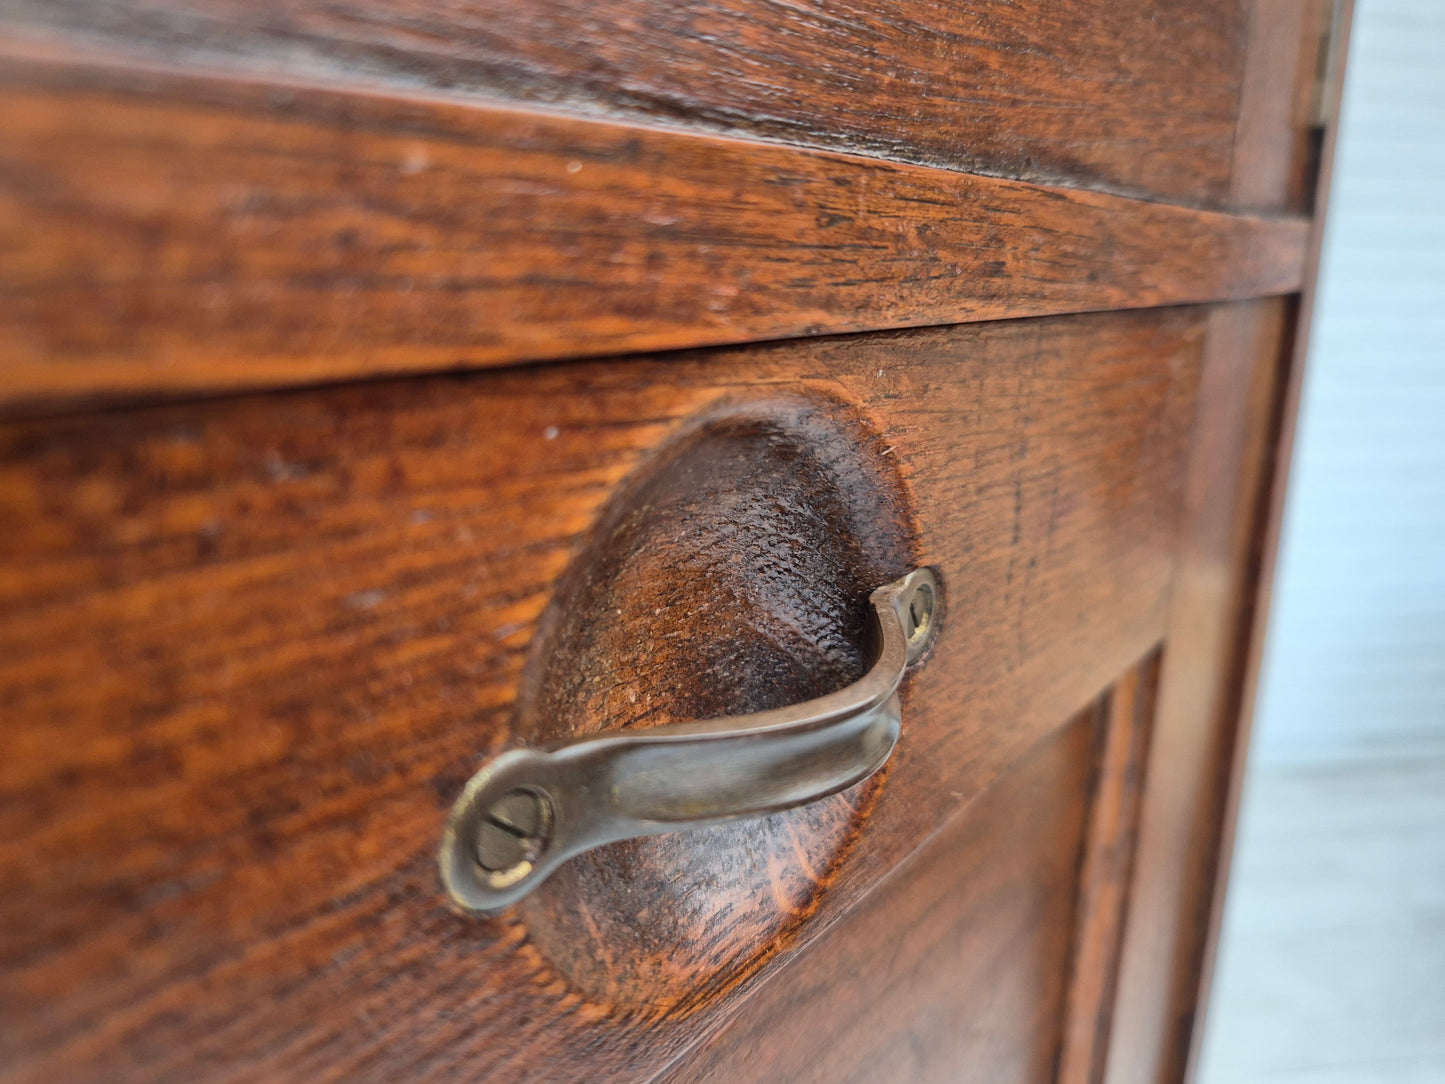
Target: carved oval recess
{"points": [[729, 575]]}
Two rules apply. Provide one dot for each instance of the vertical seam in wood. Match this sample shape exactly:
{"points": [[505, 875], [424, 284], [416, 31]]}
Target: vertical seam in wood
{"points": [[1125, 716]]}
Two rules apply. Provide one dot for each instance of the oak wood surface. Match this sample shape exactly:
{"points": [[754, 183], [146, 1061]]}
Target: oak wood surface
{"points": [[1126, 718], [1276, 158], [1193, 739], [954, 969], [729, 573], [1269, 520], [294, 623], [165, 234], [251, 648], [1135, 96], [1196, 760]]}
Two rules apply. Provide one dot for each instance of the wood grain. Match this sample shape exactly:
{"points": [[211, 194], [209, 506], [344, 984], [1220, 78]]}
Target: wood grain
{"points": [[172, 235], [954, 968], [1134, 96], [293, 624], [1196, 760], [1268, 524], [1126, 717], [1276, 146], [773, 523], [1199, 696]]}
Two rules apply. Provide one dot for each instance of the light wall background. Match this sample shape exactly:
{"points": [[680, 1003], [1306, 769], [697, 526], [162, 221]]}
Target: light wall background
{"points": [[1331, 966], [1355, 656]]}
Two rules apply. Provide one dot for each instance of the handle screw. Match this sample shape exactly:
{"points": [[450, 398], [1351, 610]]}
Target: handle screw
{"points": [[514, 830], [920, 614]]}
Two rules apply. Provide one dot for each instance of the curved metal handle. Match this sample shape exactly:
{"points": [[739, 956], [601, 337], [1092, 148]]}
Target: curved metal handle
{"points": [[528, 811]]}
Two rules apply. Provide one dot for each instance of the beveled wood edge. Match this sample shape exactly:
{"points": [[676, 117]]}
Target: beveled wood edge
{"points": [[1154, 1004], [1143, 660], [1187, 820], [1125, 718], [1270, 526], [750, 246]]}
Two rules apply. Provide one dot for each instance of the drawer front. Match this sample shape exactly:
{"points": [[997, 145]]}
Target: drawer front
{"points": [[1132, 96], [295, 623], [386, 386]]}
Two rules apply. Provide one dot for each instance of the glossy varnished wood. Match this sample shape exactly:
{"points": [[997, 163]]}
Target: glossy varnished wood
{"points": [[293, 624], [165, 234], [251, 648], [1130, 95]]}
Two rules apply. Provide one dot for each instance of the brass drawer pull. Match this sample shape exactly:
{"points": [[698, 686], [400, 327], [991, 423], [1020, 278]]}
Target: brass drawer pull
{"points": [[528, 810]]}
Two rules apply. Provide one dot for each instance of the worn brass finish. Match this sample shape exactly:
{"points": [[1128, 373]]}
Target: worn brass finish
{"points": [[529, 810]]}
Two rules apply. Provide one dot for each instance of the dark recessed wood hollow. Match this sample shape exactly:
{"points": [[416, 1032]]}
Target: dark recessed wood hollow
{"points": [[730, 575]]}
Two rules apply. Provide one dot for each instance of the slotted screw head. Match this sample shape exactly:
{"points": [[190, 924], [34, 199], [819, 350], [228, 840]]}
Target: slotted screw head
{"points": [[514, 830], [920, 613]]}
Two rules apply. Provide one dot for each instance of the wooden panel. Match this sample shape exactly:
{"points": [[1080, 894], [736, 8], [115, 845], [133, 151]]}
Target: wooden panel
{"points": [[1131, 95], [1260, 563], [1196, 765], [169, 235], [1199, 696], [1126, 719], [292, 624], [1276, 150], [954, 968]]}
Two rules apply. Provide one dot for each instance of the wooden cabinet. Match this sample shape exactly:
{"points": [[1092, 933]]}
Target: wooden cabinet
{"points": [[384, 385]]}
